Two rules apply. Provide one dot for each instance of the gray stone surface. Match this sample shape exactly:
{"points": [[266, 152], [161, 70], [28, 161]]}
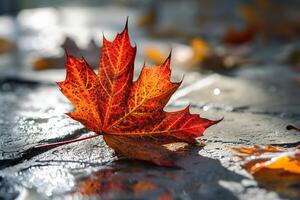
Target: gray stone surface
{"points": [[34, 114], [257, 102]]}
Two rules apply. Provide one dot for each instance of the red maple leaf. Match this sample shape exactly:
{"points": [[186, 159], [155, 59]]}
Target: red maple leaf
{"points": [[129, 114]]}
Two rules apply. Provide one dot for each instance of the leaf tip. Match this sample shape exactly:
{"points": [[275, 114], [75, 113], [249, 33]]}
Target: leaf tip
{"points": [[213, 122], [67, 52], [104, 40], [168, 59], [126, 23], [170, 54], [219, 120], [59, 84], [167, 63]]}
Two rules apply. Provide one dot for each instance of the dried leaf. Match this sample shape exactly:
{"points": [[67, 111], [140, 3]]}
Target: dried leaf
{"points": [[201, 56], [202, 50], [271, 20], [148, 18], [55, 62], [129, 114], [274, 167], [270, 157], [154, 55]]}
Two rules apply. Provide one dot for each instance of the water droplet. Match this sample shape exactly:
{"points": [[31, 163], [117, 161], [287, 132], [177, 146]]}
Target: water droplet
{"points": [[217, 91], [205, 108]]}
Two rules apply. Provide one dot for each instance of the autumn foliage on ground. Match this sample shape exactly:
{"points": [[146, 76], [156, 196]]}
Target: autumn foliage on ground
{"points": [[270, 157], [129, 114], [109, 184], [273, 167]]}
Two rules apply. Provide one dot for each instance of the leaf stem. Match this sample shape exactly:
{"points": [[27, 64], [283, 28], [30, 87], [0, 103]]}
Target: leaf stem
{"points": [[55, 144], [291, 127]]}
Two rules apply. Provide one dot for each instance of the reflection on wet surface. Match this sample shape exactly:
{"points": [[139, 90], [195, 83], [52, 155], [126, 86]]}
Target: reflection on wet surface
{"points": [[256, 100], [141, 180]]}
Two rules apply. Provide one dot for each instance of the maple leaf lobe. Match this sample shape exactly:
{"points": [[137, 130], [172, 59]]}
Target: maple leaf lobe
{"points": [[81, 87], [115, 76]]}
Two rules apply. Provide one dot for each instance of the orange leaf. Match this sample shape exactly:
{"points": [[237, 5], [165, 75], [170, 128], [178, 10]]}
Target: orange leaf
{"points": [[155, 55], [128, 112], [270, 157], [56, 62], [274, 167], [202, 50]]}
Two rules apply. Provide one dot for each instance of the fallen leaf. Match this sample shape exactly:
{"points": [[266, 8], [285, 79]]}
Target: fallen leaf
{"points": [[55, 62], [148, 18], [47, 63], [274, 167], [270, 157], [129, 114], [6, 45], [236, 37], [154, 55], [202, 50], [271, 20], [201, 56]]}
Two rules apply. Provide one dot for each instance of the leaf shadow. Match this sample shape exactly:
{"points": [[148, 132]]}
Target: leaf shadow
{"points": [[197, 177]]}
